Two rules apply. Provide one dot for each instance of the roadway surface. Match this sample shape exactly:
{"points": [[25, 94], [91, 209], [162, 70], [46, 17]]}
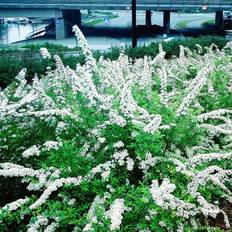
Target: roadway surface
{"points": [[192, 20]]}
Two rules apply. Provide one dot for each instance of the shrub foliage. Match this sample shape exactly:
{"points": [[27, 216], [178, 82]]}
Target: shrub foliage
{"points": [[13, 60], [124, 145]]}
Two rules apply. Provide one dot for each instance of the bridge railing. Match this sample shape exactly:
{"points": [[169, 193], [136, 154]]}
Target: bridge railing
{"points": [[120, 2]]}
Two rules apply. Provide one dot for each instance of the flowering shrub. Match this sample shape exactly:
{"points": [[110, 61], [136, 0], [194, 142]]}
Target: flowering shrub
{"points": [[125, 145]]}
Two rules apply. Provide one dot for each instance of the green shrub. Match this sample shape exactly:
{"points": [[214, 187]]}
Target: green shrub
{"points": [[9, 65], [51, 46], [124, 145]]}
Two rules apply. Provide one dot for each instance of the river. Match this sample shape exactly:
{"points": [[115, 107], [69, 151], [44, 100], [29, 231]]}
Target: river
{"points": [[13, 32]]}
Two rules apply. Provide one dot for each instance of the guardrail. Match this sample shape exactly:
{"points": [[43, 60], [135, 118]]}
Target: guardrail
{"points": [[40, 31], [120, 4]]}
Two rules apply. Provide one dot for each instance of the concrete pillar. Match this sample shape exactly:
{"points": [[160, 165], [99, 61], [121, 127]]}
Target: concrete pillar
{"points": [[65, 23], [148, 18], [166, 20], [219, 21], [61, 28]]}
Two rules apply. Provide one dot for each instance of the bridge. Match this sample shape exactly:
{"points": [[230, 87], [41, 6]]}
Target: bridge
{"points": [[67, 12], [117, 4]]}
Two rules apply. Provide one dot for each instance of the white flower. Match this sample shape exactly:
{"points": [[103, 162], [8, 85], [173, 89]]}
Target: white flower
{"points": [[202, 158], [130, 164], [44, 53], [52, 227], [115, 214], [32, 151], [119, 144], [153, 125], [102, 140], [105, 174], [40, 221], [51, 145], [162, 195], [194, 88], [71, 201], [53, 187], [15, 204]]}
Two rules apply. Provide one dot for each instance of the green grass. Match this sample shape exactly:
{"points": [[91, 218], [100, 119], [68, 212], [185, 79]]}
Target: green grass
{"points": [[208, 22], [182, 24], [50, 46], [99, 20]]}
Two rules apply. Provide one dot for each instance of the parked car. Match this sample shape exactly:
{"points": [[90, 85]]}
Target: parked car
{"points": [[227, 18], [227, 15]]}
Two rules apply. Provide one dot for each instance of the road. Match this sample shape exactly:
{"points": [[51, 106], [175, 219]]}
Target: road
{"points": [[124, 19]]}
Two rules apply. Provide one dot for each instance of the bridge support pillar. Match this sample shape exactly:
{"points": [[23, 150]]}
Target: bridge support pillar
{"points": [[65, 23], [148, 18], [166, 20], [61, 28], [219, 21]]}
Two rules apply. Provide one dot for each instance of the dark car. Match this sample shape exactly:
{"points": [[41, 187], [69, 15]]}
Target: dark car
{"points": [[227, 15]]}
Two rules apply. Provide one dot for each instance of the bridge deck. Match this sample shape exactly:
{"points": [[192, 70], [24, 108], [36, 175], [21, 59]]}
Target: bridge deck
{"points": [[212, 5]]}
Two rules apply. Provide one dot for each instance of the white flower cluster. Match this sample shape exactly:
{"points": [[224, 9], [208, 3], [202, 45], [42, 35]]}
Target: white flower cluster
{"points": [[52, 145], [194, 88], [115, 118], [47, 146], [40, 221], [153, 125], [45, 53], [218, 176], [97, 203], [55, 185], [181, 167], [162, 195], [163, 85], [52, 227], [150, 161], [32, 151], [130, 164], [13, 170], [42, 224], [83, 44], [15, 204], [215, 114], [119, 144], [199, 48], [21, 78], [203, 158], [215, 130], [120, 157], [115, 214]]}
